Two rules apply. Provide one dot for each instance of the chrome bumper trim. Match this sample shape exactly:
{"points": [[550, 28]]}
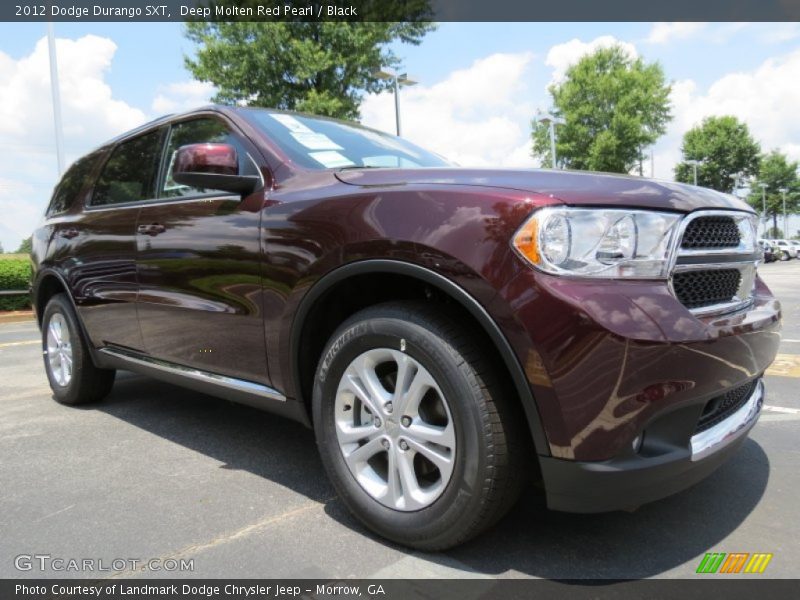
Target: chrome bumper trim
{"points": [[732, 428]]}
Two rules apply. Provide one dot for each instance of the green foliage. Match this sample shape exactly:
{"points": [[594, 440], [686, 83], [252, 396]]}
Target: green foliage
{"points": [[15, 274], [725, 146], [323, 68], [614, 107], [776, 171], [25, 246], [774, 233]]}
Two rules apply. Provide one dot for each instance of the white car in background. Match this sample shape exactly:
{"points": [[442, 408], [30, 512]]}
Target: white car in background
{"points": [[787, 249]]}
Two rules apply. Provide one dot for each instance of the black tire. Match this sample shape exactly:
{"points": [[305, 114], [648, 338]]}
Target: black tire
{"points": [[785, 255], [87, 383], [487, 474]]}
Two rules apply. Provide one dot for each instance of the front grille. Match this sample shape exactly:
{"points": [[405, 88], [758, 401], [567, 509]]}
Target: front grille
{"points": [[707, 287], [711, 232], [720, 408]]}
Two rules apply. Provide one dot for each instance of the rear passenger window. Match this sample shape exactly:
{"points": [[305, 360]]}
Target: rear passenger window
{"points": [[199, 131], [131, 171], [71, 184]]}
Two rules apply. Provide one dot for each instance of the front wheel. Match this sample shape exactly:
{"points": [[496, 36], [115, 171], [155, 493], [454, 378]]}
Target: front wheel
{"points": [[785, 255], [414, 429], [73, 377]]}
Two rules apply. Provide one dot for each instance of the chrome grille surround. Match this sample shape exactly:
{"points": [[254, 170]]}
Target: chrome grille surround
{"points": [[743, 257]]}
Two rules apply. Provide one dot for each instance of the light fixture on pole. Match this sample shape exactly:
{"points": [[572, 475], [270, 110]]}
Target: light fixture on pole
{"points": [[764, 187], [783, 191], [397, 82], [737, 179], [695, 163], [551, 121]]}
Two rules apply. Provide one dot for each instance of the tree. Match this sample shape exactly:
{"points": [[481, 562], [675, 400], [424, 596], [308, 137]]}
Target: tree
{"points": [[25, 246], [725, 146], [323, 68], [614, 106], [776, 171]]}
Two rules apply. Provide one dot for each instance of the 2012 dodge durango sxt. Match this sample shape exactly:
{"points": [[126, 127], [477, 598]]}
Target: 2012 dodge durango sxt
{"points": [[445, 331]]}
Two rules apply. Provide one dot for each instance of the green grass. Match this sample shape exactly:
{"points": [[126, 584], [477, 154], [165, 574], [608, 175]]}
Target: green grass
{"points": [[15, 274]]}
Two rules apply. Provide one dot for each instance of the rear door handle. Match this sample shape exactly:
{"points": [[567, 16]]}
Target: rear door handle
{"points": [[152, 229], [69, 233]]}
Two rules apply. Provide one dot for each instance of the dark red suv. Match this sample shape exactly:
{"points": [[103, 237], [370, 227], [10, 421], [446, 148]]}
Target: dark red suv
{"points": [[446, 332]]}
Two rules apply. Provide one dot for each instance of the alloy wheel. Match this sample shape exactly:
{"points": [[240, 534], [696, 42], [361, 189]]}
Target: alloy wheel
{"points": [[394, 429], [59, 350]]}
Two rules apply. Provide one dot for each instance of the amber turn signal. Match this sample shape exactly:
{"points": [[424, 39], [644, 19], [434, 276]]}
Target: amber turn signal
{"points": [[526, 242]]}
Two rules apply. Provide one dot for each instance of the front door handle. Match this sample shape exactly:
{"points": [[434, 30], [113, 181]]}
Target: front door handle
{"points": [[152, 229]]}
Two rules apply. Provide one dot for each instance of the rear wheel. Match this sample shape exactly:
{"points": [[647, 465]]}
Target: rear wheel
{"points": [[414, 429], [73, 377]]}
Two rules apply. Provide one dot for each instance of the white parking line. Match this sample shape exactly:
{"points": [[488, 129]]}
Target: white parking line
{"points": [[25, 343], [781, 409]]}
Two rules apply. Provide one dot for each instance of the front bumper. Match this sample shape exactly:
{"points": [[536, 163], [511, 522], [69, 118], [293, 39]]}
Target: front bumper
{"points": [[626, 483]]}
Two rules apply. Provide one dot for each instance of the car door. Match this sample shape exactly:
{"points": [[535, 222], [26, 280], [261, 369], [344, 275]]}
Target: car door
{"points": [[102, 267], [198, 266]]}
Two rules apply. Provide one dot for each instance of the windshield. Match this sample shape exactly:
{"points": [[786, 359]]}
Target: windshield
{"points": [[318, 143]]}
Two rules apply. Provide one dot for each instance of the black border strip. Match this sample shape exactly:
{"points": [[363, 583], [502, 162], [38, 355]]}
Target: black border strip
{"points": [[399, 10]]}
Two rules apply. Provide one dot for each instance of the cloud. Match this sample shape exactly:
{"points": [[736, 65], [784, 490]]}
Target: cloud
{"points": [[765, 98], [182, 96], [661, 33], [90, 115], [562, 56], [778, 33], [478, 116]]}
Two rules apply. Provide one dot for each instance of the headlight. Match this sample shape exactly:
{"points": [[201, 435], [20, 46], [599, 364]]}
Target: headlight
{"points": [[598, 242]]}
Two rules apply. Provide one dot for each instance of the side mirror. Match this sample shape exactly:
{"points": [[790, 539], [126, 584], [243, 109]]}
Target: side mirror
{"points": [[212, 167]]}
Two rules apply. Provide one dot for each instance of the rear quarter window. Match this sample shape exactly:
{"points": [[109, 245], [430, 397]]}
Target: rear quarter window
{"points": [[74, 181]]}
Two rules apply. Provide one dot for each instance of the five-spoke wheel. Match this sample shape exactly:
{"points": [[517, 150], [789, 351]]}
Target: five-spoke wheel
{"points": [[414, 425], [59, 350], [395, 429]]}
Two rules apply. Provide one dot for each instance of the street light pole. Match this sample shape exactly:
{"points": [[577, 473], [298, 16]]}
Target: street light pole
{"points": [[764, 187], [695, 164], [783, 191], [397, 81], [552, 121], [51, 44]]}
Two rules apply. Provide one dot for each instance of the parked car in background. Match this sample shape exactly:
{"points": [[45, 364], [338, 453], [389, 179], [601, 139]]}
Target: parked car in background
{"points": [[786, 250], [770, 253], [448, 333]]}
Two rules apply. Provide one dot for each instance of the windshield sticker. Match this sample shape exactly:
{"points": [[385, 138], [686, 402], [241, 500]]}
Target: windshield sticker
{"points": [[291, 123], [331, 159], [315, 141]]}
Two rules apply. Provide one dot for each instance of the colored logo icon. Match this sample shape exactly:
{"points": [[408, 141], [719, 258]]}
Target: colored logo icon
{"points": [[734, 562]]}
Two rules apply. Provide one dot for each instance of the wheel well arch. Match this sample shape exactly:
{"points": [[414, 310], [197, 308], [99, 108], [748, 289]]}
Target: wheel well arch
{"points": [[48, 285], [352, 287]]}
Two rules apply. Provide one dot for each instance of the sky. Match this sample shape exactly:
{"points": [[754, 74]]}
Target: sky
{"points": [[479, 85]]}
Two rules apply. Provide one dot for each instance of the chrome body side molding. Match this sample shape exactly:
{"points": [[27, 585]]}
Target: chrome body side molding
{"points": [[251, 393]]}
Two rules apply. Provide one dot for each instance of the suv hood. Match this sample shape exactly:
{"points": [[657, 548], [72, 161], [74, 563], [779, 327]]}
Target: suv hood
{"points": [[570, 187]]}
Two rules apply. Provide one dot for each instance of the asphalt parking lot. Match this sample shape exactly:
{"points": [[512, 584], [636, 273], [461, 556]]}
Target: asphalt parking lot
{"points": [[157, 472]]}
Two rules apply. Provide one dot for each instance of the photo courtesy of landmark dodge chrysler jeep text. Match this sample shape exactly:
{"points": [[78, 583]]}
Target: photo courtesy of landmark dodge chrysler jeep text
{"points": [[448, 333]]}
